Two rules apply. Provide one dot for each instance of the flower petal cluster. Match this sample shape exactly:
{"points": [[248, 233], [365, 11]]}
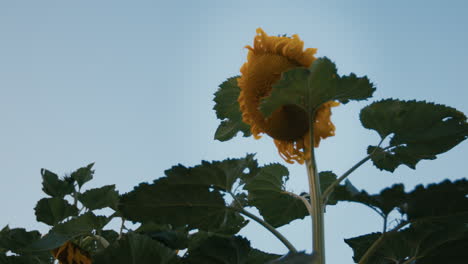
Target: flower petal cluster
{"points": [[289, 125], [71, 253]]}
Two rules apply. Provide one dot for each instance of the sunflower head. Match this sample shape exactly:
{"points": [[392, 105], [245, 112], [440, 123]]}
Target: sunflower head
{"points": [[70, 253], [289, 125]]}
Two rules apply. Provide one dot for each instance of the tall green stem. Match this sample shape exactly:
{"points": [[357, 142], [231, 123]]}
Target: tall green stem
{"points": [[317, 214]]}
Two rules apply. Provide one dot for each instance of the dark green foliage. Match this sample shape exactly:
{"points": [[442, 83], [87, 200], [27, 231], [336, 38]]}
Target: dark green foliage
{"points": [[418, 130], [55, 187], [83, 175], [267, 193], [295, 258], [228, 110], [53, 210], [135, 249], [217, 249], [257, 256], [436, 217], [170, 237], [310, 88], [97, 198], [16, 239]]}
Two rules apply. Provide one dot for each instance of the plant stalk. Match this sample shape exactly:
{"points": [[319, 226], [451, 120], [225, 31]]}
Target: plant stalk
{"points": [[270, 228], [318, 225]]}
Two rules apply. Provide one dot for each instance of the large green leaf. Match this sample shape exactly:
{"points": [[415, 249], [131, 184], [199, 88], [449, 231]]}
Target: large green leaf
{"points": [[83, 175], [228, 110], [135, 249], [267, 193], [179, 203], [216, 174], [418, 130], [166, 234], [81, 225], [310, 87], [27, 259], [53, 210], [55, 187], [98, 198], [219, 249]]}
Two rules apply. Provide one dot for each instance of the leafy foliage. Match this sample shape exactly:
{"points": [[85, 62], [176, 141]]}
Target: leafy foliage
{"points": [[97, 198], [436, 215], [83, 174], [53, 210], [295, 258], [310, 88], [54, 186], [267, 193], [218, 249], [418, 130], [228, 110]]}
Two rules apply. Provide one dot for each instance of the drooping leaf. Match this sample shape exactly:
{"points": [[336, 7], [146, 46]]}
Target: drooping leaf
{"points": [[27, 259], [326, 179], [55, 187], [228, 110], [218, 249], [135, 249], [418, 130], [98, 198], [267, 193], [295, 258], [361, 244], [176, 203], [63, 232], [83, 175], [310, 87], [53, 210]]}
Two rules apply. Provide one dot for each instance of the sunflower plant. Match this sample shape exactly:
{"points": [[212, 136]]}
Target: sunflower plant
{"points": [[194, 214]]}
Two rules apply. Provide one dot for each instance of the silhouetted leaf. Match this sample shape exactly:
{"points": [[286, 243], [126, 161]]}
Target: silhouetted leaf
{"points": [[98, 198], [418, 130], [53, 210], [267, 194], [310, 87], [259, 257], [135, 249], [83, 175], [228, 110], [55, 187], [217, 249], [17, 238]]}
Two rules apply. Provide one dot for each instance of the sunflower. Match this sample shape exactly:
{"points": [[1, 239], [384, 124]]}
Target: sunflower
{"points": [[69, 253], [289, 125]]}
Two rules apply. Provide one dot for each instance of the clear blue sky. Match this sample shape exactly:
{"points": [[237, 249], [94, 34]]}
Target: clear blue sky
{"points": [[129, 85]]}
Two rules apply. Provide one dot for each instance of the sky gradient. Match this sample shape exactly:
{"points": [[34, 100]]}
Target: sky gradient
{"points": [[129, 85]]}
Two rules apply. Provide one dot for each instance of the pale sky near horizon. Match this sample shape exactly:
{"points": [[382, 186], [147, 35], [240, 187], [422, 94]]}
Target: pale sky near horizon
{"points": [[129, 85]]}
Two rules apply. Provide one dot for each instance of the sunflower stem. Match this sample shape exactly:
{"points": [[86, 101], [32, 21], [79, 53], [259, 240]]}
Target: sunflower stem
{"points": [[317, 212]]}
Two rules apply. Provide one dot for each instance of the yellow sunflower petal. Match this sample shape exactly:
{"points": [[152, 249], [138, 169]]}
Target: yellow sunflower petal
{"points": [[269, 57]]}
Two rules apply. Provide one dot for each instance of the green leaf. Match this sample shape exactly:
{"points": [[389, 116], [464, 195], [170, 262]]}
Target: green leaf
{"points": [[267, 193], [81, 225], [361, 244], [418, 130], [27, 259], [53, 210], [83, 175], [135, 249], [164, 202], [216, 174], [295, 258], [217, 249], [310, 88], [172, 238], [228, 110], [55, 187], [257, 256], [326, 179], [16, 239], [384, 202], [98, 198]]}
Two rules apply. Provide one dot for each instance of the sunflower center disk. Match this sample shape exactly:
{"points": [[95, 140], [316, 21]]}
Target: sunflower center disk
{"points": [[288, 123]]}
